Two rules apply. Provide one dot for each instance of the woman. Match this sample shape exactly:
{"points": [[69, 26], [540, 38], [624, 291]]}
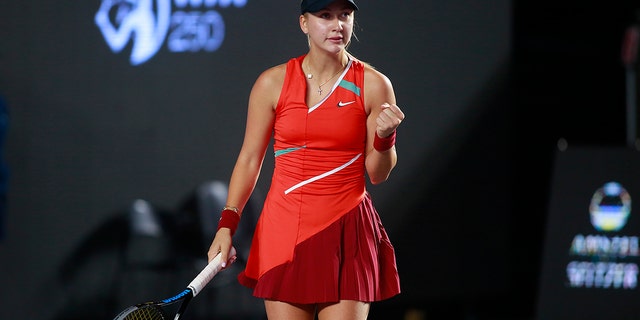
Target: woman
{"points": [[319, 246]]}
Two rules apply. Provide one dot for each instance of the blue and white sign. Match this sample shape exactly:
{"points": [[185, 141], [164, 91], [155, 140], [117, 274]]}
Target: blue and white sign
{"points": [[184, 25]]}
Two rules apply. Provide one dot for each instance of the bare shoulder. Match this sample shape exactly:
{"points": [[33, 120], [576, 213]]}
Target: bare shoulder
{"points": [[377, 87], [268, 85], [272, 77], [374, 77]]}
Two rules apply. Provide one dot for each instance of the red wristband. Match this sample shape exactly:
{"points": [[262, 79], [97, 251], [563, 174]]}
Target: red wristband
{"points": [[384, 144], [229, 219]]}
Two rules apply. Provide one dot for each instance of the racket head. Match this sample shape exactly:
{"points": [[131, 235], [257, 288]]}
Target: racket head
{"points": [[150, 311], [157, 310]]}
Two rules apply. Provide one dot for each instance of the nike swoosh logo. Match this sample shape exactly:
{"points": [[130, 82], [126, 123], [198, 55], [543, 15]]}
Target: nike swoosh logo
{"points": [[342, 104]]}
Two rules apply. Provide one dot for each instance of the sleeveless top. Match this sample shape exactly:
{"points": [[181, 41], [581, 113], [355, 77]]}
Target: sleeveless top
{"points": [[319, 172]]}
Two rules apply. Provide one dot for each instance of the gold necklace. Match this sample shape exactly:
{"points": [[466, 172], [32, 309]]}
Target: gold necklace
{"points": [[310, 76]]}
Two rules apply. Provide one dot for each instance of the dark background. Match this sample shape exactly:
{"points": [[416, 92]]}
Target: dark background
{"points": [[488, 87]]}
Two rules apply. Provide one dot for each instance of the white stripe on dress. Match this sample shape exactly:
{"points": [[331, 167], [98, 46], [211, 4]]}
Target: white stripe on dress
{"points": [[328, 173]]}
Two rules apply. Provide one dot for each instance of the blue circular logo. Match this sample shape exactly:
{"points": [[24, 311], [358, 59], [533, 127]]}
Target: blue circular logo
{"points": [[610, 207]]}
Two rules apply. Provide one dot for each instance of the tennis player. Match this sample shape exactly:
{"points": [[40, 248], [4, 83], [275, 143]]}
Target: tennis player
{"points": [[319, 247]]}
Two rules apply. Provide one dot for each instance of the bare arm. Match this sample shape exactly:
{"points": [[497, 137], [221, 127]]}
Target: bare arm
{"points": [[260, 120], [384, 117]]}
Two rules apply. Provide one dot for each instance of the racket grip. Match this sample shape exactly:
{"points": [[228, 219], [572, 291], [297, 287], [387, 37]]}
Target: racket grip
{"points": [[201, 280]]}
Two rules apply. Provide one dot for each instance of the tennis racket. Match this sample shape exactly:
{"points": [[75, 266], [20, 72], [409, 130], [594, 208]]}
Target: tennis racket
{"points": [[161, 309]]}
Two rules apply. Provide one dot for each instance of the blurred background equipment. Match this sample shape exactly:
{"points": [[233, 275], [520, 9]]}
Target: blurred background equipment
{"points": [[145, 251]]}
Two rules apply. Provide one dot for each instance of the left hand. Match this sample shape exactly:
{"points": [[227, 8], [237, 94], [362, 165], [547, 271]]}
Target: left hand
{"points": [[388, 120]]}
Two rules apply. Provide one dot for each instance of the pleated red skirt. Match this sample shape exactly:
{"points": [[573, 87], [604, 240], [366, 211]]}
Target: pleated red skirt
{"points": [[352, 259]]}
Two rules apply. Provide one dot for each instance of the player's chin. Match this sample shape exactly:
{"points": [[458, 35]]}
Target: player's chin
{"points": [[336, 46]]}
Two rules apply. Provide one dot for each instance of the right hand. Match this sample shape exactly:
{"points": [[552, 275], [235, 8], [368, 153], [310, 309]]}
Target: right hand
{"points": [[221, 244]]}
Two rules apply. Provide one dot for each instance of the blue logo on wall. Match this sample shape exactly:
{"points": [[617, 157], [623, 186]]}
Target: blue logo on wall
{"points": [[610, 207], [188, 26]]}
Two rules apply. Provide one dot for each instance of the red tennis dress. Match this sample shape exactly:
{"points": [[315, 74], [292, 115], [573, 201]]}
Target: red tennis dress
{"points": [[319, 237]]}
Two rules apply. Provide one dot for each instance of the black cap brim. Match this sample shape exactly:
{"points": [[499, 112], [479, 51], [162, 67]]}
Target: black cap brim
{"points": [[317, 5]]}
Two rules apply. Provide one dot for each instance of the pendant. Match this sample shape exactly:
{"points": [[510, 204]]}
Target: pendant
{"points": [[319, 91]]}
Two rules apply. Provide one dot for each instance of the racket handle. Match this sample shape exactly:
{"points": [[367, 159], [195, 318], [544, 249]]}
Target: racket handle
{"points": [[201, 280]]}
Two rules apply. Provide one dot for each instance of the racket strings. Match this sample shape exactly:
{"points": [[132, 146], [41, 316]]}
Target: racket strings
{"points": [[149, 312]]}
